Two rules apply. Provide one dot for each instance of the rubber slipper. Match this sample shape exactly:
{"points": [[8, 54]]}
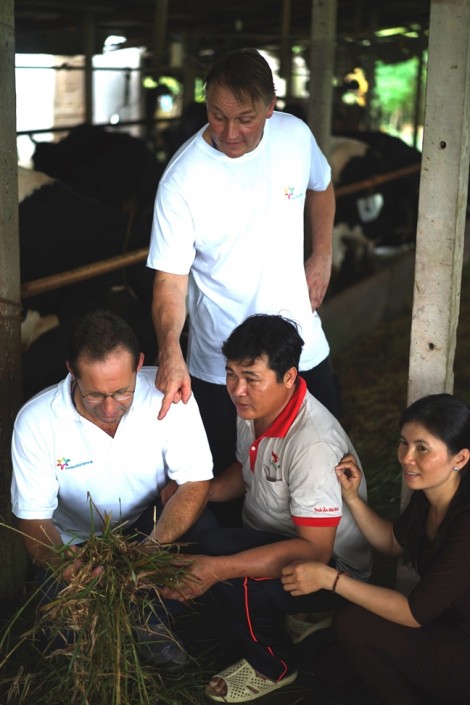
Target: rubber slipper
{"points": [[299, 630], [244, 684]]}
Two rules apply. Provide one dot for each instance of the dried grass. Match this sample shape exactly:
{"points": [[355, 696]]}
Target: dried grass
{"points": [[100, 664]]}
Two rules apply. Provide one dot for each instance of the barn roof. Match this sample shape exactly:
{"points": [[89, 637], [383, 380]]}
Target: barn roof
{"points": [[57, 26]]}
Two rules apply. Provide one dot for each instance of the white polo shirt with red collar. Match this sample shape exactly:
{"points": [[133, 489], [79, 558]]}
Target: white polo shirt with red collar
{"points": [[290, 478]]}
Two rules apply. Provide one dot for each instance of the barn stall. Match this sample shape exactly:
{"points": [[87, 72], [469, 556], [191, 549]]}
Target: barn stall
{"points": [[453, 115], [442, 216]]}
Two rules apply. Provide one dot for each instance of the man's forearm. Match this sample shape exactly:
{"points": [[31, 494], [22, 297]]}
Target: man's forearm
{"points": [[321, 214], [320, 207], [261, 562], [169, 309], [40, 537], [181, 511], [264, 561]]}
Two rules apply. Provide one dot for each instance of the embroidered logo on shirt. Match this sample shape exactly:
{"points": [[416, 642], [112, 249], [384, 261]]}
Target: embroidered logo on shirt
{"points": [[289, 192], [325, 510], [272, 471]]}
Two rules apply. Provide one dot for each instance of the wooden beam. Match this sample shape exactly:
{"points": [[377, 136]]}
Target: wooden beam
{"points": [[88, 271]]}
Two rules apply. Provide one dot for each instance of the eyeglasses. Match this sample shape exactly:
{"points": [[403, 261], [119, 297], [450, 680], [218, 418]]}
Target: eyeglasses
{"points": [[99, 397]]}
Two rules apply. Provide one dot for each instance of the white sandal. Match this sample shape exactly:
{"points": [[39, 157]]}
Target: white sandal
{"points": [[299, 630], [244, 684]]}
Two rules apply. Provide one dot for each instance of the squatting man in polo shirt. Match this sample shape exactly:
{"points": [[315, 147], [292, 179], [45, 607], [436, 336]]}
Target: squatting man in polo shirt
{"points": [[287, 449], [96, 434]]}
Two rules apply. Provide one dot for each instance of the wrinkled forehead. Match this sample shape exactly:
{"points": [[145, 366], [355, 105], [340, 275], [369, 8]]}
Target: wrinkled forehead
{"points": [[119, 360]]}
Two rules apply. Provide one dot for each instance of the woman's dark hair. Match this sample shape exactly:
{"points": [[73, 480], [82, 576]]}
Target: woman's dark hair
{"points": [[447, 418], [99, 333], [263, 334], [245, 72]]}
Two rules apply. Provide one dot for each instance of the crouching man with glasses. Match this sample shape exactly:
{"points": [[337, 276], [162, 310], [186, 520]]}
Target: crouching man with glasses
{"points": [[96, 436]]}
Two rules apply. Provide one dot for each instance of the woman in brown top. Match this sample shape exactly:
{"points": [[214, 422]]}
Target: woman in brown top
{"points": [[409, 648]]}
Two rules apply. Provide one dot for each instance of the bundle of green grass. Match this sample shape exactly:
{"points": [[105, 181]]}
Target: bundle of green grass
{"points": [[82, 648]]}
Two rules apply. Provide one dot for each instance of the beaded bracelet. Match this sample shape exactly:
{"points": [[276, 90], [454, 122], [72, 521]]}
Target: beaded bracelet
{"points": [[338, 575]]}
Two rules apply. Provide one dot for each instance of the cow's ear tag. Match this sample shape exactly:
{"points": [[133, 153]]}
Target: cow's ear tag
{"points": [[369, 207]]}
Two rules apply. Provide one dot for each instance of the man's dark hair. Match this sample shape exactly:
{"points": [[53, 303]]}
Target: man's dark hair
{"points": [[263, 334], [245, 72], [99, 333]]}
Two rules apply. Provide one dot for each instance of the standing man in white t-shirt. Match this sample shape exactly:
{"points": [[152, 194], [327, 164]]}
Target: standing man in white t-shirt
{"points": [[228, 236], [95, 436]]}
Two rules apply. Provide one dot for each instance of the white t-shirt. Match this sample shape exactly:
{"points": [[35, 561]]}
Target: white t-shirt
{"points": [[61, 460], [290, 478], [237, 226]]}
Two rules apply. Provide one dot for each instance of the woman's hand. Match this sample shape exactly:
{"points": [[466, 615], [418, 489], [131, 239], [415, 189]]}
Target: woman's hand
{"points": [[304, 577], [349, 476]]}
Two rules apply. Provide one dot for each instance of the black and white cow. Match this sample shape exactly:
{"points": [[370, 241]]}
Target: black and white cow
{"points": [[115, 168], [59, 230], [382, 215], [387, 213]]}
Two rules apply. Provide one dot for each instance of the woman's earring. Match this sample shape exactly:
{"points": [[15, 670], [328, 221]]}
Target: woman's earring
{"points": [[456, 468]]}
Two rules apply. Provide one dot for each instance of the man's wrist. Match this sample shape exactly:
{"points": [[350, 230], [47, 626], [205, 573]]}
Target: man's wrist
{"points": [[354, 500], [168, 351]]}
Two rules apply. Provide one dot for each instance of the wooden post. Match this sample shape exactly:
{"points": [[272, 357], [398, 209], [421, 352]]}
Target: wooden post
{"points": [[189, 73], [89, 44], [442, 202], [160, 31], [12, 557], [418, 98], [285, 68], [322, 56]]}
